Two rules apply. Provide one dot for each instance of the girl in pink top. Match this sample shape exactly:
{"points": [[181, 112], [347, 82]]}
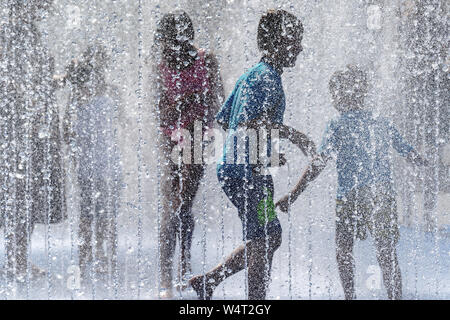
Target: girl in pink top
{"points": [[190, 90]]}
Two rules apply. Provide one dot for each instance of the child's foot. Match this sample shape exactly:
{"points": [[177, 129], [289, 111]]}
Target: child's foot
{"points": [[37, 272], [202, 287]]}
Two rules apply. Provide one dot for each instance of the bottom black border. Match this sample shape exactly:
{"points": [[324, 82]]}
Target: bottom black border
{"points": [[215, 309]]}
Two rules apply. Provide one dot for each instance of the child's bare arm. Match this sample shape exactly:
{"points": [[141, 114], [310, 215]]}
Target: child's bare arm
{"points": [[285, 132], [297, 138], [67, 122], [313, 170], [403, 148], [154, 86]]}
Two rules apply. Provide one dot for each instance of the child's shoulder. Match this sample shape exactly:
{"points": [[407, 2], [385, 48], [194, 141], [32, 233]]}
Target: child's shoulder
{"points": [[263, 69], [364, 118], [344, 121], [383, 123], [262, 75]]}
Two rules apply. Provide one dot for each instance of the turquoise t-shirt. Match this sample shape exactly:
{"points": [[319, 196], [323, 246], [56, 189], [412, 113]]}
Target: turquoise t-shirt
{"points": [[361, 145], [257, 94]]}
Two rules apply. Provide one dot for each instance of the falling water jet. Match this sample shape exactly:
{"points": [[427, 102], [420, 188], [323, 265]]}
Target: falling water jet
{"points": [[139, 147]]}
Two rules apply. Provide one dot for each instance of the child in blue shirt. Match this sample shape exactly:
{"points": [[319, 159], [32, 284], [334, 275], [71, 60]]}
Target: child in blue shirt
{"points": [[365, 196], [257, 101]]}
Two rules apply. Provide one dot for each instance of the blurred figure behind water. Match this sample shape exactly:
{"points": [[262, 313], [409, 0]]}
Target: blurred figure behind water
{"points": [[90, 130], [190, 91], [31, 171], [366, 197]]}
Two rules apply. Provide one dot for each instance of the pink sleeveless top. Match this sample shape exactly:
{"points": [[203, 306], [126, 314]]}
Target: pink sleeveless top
{"points": [[191, 84]]}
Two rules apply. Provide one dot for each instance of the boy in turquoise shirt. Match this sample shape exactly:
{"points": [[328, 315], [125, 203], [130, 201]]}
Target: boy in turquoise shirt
{"points": [[257, 101]]}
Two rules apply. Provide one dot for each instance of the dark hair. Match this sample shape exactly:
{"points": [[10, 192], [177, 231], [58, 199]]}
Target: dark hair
{"points": [[275, 26], [351, 85], [176, 26], [31, 5], [96, 54], [93, 59]]}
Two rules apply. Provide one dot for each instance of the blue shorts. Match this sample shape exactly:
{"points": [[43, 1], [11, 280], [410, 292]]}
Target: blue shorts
{"points": [[254, 200]]}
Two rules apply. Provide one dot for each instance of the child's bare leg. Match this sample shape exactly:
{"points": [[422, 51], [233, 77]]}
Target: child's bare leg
{"points": [[167, 250], [18, 231], [192, 176], [112, 238], [387, 259], [102, 225], [187, 228], [17, 249], [345, 261], [85, 226], [260, 266], [10, 248], [257, 272], [204, 285], [101, 236], [85, 246], [168, 225]]}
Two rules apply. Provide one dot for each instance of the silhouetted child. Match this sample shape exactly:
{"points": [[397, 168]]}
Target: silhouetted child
{"points": [[190, 91], [366, 198], [90, 127], [257, 101], [31, 168]]}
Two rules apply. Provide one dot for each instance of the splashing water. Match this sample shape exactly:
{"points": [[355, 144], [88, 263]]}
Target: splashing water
{"points": [[402, 46]]}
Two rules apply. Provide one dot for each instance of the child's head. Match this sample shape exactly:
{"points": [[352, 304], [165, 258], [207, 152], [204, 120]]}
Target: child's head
{"points": [[90, 68], [348, 88], [175, 31], [96, 55], [280, 35], [31, 10]]}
